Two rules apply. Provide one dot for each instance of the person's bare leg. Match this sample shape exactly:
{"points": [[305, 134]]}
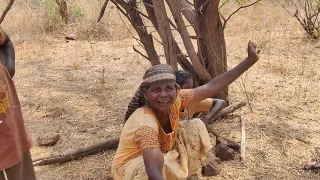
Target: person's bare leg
{"points": [[12, 173], [22, 171], [28, 172]]}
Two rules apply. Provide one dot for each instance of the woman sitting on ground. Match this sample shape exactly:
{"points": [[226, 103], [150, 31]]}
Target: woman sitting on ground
{"points": [[153, 143]]}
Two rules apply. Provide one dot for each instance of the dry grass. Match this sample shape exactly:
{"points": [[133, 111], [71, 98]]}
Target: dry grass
{"points": [[63, 90], [28, 20]]}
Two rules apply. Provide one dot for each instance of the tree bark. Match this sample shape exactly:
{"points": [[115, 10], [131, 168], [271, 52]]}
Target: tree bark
{"points": [[63, 10], [165, 33], [211, 42], [189, 13], [199, 68], [182, 59], [136, 21]]}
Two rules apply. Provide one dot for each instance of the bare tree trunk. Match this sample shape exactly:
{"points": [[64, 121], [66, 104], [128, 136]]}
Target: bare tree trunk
{"points": [[199, 68], [63, 10], [211, 42], [165, 33], [189, 13], [182, 59], [136, 21]]}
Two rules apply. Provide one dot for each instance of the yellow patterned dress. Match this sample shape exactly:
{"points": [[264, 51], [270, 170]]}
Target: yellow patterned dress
{"points": [[202, 106], [182, 151]]}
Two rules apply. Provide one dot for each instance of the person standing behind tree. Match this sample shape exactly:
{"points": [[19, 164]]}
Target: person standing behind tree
{"points": [[15, 141]]}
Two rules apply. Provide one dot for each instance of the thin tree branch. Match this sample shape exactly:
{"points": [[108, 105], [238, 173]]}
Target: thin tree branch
{"points": [[137, 22], [121, 10], [103, 8], [171, 23], [223, 4], [285, 9], [241, 7], [315, 14], [6, 11], [141, 13], [193, 37], [190, 3], [125, 14], [136, 50], [155, 37], [222, 17]]}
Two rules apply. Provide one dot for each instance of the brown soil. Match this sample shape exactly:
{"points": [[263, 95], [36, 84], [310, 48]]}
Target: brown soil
{"points": [[63, 89]]}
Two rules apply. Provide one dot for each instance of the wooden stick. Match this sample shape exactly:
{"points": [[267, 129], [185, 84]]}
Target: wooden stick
{"points": [[243, 137], [136, 50], [78, 153], [103, 9]]}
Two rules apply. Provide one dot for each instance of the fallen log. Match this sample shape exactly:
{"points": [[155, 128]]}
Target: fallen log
{"points": [[78, 153]]}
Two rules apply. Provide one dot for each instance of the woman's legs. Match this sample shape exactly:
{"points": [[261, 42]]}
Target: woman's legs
{"points": [[12, 173]]}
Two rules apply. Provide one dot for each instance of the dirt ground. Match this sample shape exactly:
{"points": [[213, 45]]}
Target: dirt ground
{"points": [[80, 90]]}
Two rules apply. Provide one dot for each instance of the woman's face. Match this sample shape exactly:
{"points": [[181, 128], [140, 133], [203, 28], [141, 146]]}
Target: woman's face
{"points": [[188, 84], [160, 97]]}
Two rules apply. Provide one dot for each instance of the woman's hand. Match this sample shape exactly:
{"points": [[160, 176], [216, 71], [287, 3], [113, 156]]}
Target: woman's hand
{"points": [[220, 82], [253, 53]]}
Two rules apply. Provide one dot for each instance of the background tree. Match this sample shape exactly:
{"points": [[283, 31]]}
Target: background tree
{"points": [[306, 12], [63, 10], [205, 61]]}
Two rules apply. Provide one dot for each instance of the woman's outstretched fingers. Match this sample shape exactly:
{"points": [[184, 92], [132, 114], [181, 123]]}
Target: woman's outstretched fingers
{"points": [[252, 51]]}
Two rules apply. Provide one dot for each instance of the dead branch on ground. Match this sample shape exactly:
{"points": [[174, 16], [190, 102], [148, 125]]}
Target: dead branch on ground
{"points": [[78, 153]]}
